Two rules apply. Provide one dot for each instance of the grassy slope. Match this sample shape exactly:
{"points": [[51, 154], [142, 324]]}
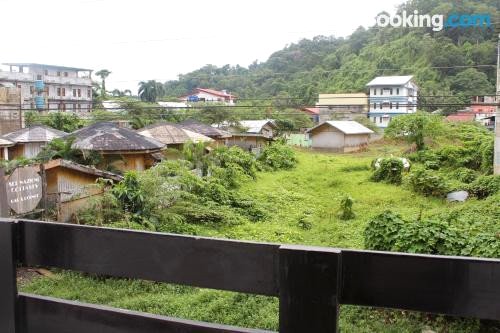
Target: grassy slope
{"points": [[310, 192]]}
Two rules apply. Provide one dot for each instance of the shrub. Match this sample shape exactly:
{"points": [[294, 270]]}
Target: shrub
{"points": [[428, 182], [382, 231], [464, 175], [277, 156], [484, 186], [390, 170], [346, 212], [235, 156]]}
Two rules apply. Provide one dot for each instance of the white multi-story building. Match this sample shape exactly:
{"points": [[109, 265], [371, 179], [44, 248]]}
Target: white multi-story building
{"points": [[48, 87], [391, 96]]}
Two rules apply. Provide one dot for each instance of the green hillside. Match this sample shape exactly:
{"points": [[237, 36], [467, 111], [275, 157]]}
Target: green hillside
{"points": [[328, 64]]}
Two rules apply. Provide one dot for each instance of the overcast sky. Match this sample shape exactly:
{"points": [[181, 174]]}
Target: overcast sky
{"points": [[154, 39]]}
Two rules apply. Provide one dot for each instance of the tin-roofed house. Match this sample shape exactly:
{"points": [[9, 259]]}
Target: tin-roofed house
{"points": [[342, 136], [122, 148], [29, 141], [252, 135]]}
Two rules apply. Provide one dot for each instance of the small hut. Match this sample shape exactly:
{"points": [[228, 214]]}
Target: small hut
{"points": [[342, 136], [221, 137], [253, 134], [71, 185], [172, 135], [29, 141], [122, 148]]}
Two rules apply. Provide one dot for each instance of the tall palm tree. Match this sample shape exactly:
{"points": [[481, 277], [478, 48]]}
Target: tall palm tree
{"points": [[150, 90], [103, 74], [127, 92]]}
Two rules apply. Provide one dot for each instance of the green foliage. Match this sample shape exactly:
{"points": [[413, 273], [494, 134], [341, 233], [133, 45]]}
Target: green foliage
{"points": [[382, 231], [390, 170], [464, 175], [415, 128], [62, 148], [428, 182], [277, 156], [346, 211], [150, 91], [484, 186], [234, 158], [62, 121], [129, 194]]}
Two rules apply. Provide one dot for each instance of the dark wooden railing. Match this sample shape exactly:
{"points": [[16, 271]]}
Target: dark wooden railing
{"points": [[310, 282]]}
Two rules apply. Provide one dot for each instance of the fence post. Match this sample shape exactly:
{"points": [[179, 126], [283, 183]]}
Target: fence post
{"points": [[309, 286], [4, 206], [8, 287]]}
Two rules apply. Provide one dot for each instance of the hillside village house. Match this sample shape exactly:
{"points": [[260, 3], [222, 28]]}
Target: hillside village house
{"points": [[71, 185], [338, 135], [49, 87], [29, 141], [342, 106], [253, 134], [172, 135], [120, 147], [483, 108], [313, 114], [391, 96], [10, 102], [209, 95], [219, 136]]}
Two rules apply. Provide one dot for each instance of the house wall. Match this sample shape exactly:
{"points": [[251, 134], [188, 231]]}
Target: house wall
{"points": [[27, 150], [327, 137], [127, 162], [342, 106], [354, 142], [247, 142]]}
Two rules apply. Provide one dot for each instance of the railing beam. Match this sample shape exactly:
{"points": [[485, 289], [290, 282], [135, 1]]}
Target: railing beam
{"points": [[309, 289], [8, 287]]}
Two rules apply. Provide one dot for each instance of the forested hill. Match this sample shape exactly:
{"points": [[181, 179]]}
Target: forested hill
{"points": [[328, 64]]}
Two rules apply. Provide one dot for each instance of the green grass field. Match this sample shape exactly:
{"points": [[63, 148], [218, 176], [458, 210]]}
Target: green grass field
{"points": [[302, 206]]}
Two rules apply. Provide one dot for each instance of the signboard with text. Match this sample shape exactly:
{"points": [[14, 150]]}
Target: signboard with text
{"points": [[24, 190]]}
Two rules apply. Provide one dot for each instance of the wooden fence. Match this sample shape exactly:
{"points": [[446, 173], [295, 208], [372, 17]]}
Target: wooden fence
{"points": [[310, 282]]}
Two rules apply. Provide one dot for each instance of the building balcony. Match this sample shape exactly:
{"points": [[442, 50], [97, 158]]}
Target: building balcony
{"points": [[15, 76]]}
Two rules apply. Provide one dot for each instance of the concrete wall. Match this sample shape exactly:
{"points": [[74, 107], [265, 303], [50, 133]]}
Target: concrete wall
{"points": [[341, 106]]}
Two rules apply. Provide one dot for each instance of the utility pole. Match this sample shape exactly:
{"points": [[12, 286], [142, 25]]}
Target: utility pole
{"points": [[496, 166]]}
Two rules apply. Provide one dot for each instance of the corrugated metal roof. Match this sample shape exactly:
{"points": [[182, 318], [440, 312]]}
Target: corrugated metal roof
{"points": [[346, 126], [169, 133], [37, 133], [30, 64], [255, 126], [107, 136], [390, 80], [82, 168]]}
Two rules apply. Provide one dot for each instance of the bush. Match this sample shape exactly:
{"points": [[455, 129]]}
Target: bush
{"points": [[346, 212], [390, 170], [428, 183], [464, 175], [382, 231], [277, 156], [484, 186]]}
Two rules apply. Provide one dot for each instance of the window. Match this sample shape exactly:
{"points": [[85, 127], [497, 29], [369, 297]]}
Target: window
{"points": [[74, 92], [65, 74], [391, 91], [32, 89], [397, 105], [46, 72], [390, 105], [375, 91], [79, 92], [381, 91], [63, 91], [58, 73], [58, 91], [88, 93], [38, 77], [380, 119], [397, 91], [374, 105]]}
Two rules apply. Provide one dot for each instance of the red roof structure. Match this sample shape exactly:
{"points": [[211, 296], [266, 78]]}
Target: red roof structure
{"points": [[313, 111]]}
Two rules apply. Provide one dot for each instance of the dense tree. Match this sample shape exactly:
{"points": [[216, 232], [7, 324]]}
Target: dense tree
{"points": [[150, 91], [415, 128], [103, 74]]}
